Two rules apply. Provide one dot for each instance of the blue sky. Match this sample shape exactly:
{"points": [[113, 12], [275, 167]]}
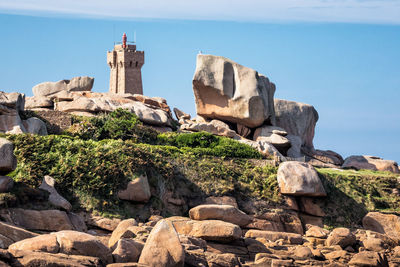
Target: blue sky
{"points": [[341, 56]]}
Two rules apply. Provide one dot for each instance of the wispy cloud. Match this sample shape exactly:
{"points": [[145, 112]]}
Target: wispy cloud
{"points": [[363, 11]]}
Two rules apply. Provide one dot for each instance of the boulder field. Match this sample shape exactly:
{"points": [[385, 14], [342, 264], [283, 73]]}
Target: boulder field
{"points": [[277, 202]]}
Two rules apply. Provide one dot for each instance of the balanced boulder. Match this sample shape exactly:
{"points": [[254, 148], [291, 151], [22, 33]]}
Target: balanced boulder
{"points": [[299, 179], [231, 92]]}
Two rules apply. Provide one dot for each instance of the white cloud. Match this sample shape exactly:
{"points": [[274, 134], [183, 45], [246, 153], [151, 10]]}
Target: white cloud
{"points": [[364, 11]]}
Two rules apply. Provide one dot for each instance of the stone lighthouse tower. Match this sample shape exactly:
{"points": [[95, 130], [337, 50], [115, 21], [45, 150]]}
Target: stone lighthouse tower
{"points": [[125, 63]]}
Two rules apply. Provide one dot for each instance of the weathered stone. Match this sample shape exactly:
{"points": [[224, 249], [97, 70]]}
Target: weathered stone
{"points": [[335, 255], [36, 258], [54, 198], [289, 238], [295, 146], [230, 92], [388, 224], [44, 243], [12, 102], [6, 184], [5, 242], [163, 247], [303, 253], [8, 162], [137, 190], [242, 130], [127, 250], [224, 200], [371, 163], [299, 179], [35, 126], [279, 221], [47, 220], [212, 230], [374, 241], [75, 84], [297, 119], [11, 124], [224, 213], [226, 259], [78, 243], [122, 231], [311, 206], [325, 156], [77, 221], [104, 223], [35, 102], [264, 147], [15, 233], [181, 115], [368, 258], [342, 237], [273, 135], [215, 127], [316, 231]]}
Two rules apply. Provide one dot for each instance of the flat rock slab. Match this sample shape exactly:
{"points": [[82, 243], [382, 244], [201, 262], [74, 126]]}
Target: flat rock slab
{"points": [[224, 213]]}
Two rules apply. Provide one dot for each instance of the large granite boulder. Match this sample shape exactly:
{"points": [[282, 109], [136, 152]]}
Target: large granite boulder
{"points": [[8, 161], [297, 119], [371, 163], [163, 247], [388, 224], [75, 84], [299, 179], [228, 91]]}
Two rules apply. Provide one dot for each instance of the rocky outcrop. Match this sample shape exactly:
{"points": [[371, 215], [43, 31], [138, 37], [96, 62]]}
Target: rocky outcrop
{"points": [[54, 198], [297, 119], [14, 233], [75, 84], [289, 238], [388, 224], [342, 237], [136, 190], [163, 247], [299, 179], [127, 250], [230, 92], [224, 213], [11, 104], [8, 161], [371, 163]]}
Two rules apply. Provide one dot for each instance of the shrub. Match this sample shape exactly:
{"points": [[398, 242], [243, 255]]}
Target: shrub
{"points": [[119, 124], [203, 143]]}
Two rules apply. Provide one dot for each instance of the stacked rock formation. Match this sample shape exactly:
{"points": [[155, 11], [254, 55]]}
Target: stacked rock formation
{"points": [[75, 97]]}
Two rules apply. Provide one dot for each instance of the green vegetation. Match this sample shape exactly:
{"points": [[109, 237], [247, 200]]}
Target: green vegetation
{"points": [[97, 156], [351, 194]]}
